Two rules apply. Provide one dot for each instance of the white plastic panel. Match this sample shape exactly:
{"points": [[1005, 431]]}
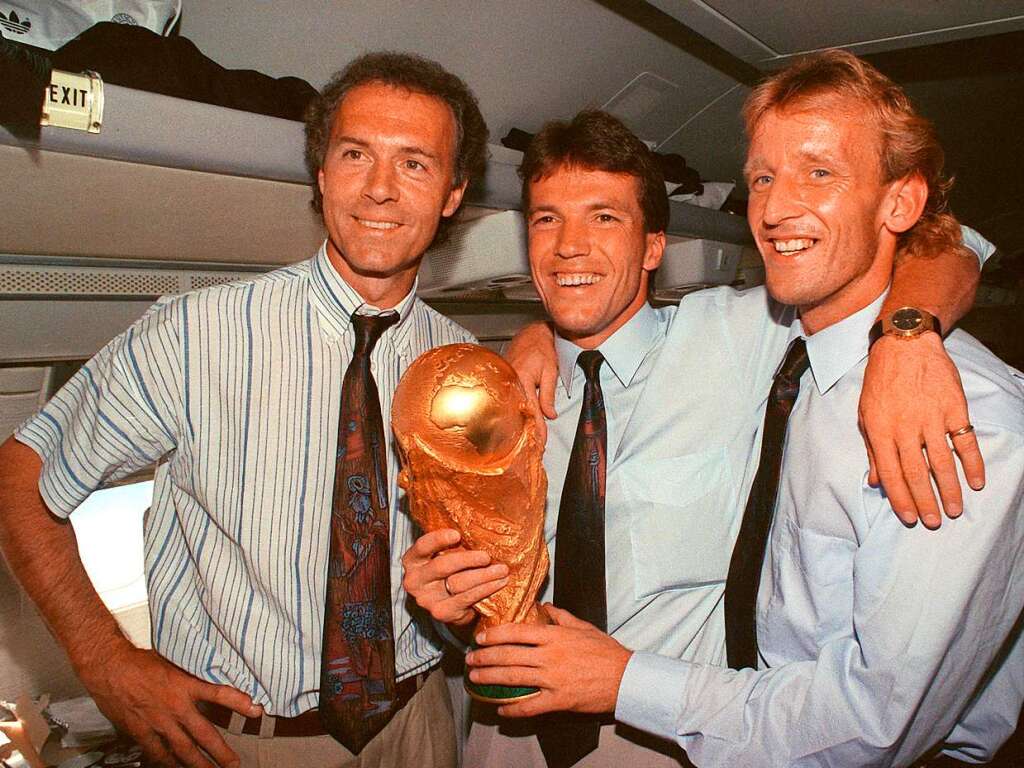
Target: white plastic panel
{"points": [[21, 394], [42, 330], [805, 25], [486, 253], [57, 203], [150, 128], [768, 32], [693, 263]]}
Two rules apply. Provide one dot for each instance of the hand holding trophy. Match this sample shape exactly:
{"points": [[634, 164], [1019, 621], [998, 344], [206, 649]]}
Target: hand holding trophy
{"points": [[471, 461]]}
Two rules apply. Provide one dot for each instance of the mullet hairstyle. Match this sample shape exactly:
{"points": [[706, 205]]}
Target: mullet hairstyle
{"points": [[413, 73], [597, 141], [907, 140]]}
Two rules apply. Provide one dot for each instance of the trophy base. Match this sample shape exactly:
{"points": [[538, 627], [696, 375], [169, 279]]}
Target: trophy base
{"points": [[498, 694]]}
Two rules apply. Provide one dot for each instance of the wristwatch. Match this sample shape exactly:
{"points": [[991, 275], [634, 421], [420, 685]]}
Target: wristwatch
{"points": [[904, 323]]}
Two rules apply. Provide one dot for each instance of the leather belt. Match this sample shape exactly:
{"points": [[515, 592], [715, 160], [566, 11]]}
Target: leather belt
{"points": [[306, 724]]}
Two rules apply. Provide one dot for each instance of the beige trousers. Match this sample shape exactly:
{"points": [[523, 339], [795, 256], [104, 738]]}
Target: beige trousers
{"points": [[497, 743], [421, 735]]}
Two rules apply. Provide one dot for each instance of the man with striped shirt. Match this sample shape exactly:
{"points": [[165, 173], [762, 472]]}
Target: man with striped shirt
{"points": [[235, 391]]}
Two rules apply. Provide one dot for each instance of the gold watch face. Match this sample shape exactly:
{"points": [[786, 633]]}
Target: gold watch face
{"points": [[907, 319]]}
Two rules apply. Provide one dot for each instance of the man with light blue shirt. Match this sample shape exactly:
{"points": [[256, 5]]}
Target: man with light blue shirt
{"points": [[235, 391], [683, 392], [875, 644]]}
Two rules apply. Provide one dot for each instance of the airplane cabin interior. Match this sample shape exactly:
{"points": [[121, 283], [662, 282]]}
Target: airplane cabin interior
{"points": [[139, 185]]}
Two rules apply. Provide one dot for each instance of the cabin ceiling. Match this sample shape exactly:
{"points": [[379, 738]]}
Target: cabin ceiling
{"points": [[527, 60], [674, 70], [768, 33]]}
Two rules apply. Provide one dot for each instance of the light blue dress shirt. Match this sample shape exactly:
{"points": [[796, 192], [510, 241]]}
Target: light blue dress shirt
{"points": [[684, 389], [679, 461], [878, 642], [236, 391]]}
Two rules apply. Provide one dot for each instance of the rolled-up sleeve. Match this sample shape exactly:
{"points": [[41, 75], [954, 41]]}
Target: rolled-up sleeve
{"points": [[119, 413]]}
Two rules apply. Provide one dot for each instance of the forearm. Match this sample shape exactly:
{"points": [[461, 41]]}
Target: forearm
{"points": [[943, 284], [912, 392], [42, 553]]}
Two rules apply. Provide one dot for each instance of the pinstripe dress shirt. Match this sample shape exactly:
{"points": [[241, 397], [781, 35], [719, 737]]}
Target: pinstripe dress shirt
{"points": [[235, 390]]}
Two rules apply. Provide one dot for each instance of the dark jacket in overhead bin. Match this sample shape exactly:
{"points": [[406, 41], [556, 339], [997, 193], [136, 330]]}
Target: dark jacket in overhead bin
{"points": [[24, 75], [135, 57]]}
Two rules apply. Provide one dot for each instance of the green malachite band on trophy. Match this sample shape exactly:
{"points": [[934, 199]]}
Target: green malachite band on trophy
{"points": [[499, 694], [496, 694]]}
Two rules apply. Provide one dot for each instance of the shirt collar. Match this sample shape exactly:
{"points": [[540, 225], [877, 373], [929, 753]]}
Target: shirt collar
{"points": [[623, 351], [336, 300], [833, 351]]}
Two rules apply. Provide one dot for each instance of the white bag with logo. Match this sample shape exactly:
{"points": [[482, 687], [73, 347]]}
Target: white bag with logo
{"points": [[51, 23]]}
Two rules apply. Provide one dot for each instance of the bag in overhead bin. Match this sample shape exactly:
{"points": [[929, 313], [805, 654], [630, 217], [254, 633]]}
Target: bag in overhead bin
{"points": [[51, 24]]}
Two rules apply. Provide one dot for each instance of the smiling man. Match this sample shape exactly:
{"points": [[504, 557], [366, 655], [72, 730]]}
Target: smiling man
{"points": [[649, 460], [854, 666], [273, 542], [582, 223]]}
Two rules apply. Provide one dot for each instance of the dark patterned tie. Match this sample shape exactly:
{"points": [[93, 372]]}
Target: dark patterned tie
{"points": [[357, 673], [579, 555], [748, 554]]}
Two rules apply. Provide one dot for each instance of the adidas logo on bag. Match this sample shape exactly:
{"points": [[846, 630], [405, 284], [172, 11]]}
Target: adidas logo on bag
{"points": [[13, 24]]}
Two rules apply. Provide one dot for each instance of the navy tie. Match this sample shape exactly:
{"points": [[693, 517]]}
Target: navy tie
{"points": [[579, 555], [748, 555]]}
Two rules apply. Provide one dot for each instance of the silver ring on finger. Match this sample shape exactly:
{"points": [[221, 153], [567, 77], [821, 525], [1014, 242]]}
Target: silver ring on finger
{"points": [[962, 431], [447, 587]]}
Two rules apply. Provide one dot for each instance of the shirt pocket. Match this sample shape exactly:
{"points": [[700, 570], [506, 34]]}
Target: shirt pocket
{"points": [[813, 587], [825, 560], [681, 520]]}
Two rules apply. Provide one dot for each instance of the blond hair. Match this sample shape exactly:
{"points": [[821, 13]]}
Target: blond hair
{"points": [[908, 143]]}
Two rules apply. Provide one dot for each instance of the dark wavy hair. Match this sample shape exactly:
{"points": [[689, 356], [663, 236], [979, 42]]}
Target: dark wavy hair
{"points": [[907, 141], [597, 141], [414, 73]]}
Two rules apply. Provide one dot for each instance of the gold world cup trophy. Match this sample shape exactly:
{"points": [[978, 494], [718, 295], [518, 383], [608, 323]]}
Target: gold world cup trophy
{"points": [[471, 460]]}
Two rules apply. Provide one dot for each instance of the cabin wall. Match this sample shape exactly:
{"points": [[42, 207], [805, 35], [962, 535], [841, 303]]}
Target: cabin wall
{"points": [[30, 660]]}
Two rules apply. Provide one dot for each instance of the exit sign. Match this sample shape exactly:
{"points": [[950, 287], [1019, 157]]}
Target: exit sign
{"points": [[74, 101]]}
